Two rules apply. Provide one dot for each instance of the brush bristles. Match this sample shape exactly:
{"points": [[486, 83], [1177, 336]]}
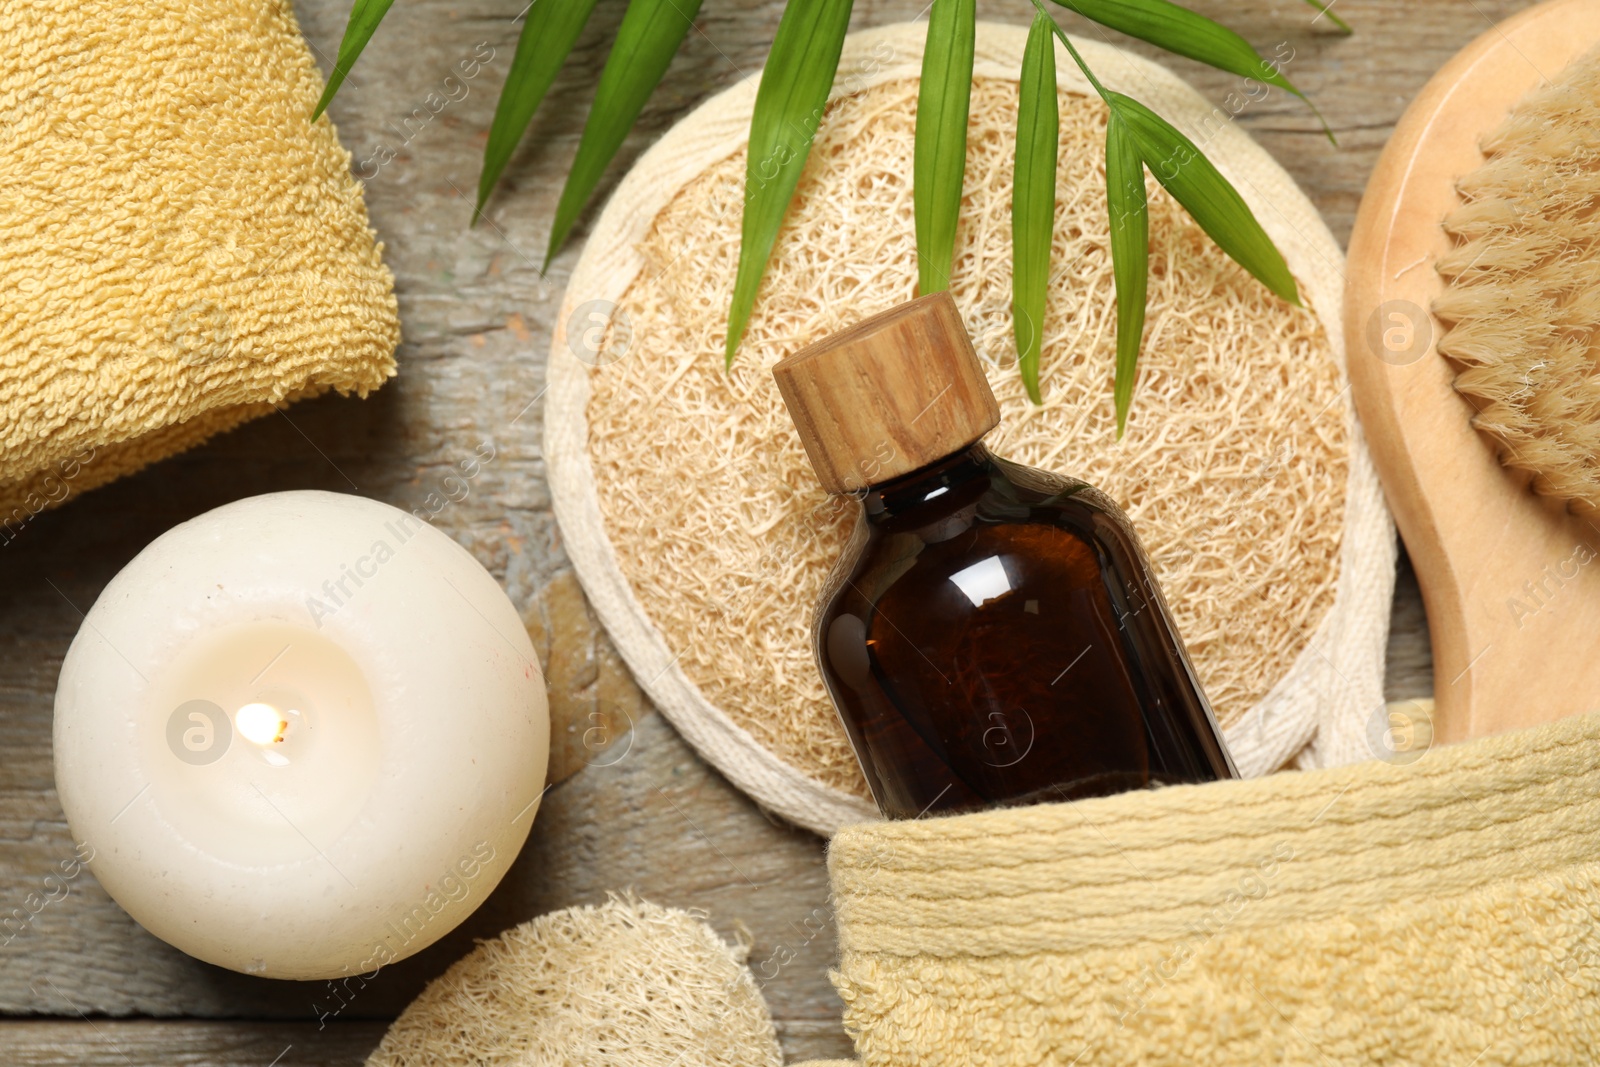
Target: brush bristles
{"points": [[1522, 287]]}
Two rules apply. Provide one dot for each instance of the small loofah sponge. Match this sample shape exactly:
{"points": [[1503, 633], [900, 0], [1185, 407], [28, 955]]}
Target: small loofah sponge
{"points": [[181, 249], [623, 984], [1521, 299]]}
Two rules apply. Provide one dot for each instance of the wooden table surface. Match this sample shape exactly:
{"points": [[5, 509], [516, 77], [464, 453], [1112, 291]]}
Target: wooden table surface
{"points": [[80, 983]]}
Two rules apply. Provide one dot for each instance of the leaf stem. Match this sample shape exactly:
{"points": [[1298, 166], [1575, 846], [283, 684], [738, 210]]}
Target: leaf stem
{"points": [[1061, 35]]}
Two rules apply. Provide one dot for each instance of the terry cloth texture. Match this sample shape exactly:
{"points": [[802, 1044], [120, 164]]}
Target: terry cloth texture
{"points": [[181, 248], [1439, 912]]}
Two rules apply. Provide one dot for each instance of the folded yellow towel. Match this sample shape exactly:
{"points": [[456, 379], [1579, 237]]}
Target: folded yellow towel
{"points": [[180, 248], [1442, 912]]}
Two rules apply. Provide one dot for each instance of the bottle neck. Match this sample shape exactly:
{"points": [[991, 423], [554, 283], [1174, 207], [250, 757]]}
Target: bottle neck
{"points": [[945, 484]]}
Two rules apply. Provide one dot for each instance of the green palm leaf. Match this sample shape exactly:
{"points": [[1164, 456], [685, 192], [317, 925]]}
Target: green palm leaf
{"points": [[943, 97], [648, 38], [548, 34], [1185, 33], [1179, 30], [788, 109], [364, 19], [1033, 197], [1185, 172], [1130, 254]]}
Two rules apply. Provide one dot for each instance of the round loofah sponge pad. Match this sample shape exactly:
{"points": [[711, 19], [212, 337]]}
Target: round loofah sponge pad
{"points": [[1522, 299], [699, 529], [623, 984]]}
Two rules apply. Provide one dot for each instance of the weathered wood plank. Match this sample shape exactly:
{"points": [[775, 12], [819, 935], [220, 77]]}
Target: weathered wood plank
{"points": [[1409, 670], [247, 1043], [153, 1043]]}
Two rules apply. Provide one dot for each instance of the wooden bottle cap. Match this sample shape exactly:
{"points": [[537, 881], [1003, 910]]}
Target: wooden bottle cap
{"points": [[892, 393]]}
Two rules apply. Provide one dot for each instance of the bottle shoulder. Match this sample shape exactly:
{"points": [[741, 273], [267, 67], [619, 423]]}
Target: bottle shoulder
{"points": [[993, 492], [1038, 526], [1047, 491]]}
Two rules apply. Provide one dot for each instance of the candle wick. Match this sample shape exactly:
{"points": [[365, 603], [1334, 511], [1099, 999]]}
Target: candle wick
{"points": [[261, 723]]}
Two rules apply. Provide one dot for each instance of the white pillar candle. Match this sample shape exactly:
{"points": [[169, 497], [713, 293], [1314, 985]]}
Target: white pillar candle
{"points": [[304, 734]]}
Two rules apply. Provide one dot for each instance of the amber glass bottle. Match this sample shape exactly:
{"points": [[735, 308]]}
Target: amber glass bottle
{"points": [[993, 634]]}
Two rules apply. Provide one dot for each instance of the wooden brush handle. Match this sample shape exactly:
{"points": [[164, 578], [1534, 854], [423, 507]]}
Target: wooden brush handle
{"points": [[1510, 579]]}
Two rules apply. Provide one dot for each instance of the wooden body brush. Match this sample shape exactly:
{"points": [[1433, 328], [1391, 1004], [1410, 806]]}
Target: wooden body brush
{"points": [[1488, 452]]}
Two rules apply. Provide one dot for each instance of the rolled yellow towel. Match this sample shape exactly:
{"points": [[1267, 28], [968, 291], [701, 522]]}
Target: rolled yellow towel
{"points": [[1443, 911], [181, 249]]}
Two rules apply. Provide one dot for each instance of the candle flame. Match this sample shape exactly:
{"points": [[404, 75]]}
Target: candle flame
{"points": [[261, 723]]}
